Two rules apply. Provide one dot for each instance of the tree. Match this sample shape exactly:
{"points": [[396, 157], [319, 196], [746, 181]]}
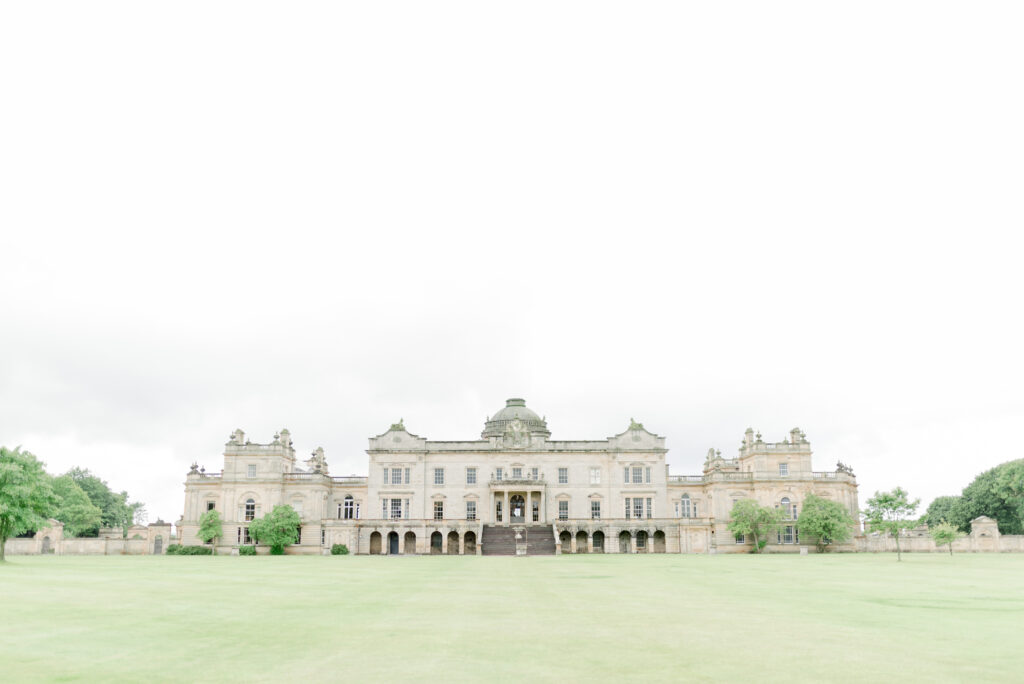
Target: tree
{"points": [[747, 517], [26, 497], [827, 521], [117, 512], [945, 534], [941, 510], [210, 528], [277, 529], [74, 508], [891, 512], [997, 493]]}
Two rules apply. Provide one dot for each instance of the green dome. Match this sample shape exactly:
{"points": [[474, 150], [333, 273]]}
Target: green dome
{"points": [[514, 409]]}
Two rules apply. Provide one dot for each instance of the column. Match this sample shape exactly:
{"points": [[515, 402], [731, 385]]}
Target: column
{"points": [[543, 516], [590, 541], [506, 514], [462, 543], [572, 541]]}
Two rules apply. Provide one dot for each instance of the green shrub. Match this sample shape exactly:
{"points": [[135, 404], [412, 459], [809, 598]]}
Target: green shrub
{"points": [[276, 550], [246, 550], [179, 550], [339, 550]]}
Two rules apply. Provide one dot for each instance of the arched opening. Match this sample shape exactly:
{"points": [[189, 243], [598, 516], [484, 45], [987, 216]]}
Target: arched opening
{"points": [[453, 543], [158, 545], [517, 504], [659, 542], [685, 506], [410, 543], [436, 540], [349, 507], [250, 510], [565, 539], [393, 543], [46, 545], [375, 544], [625, 542], [470, 542], [581, 542], [641, 542], [599, 542]]}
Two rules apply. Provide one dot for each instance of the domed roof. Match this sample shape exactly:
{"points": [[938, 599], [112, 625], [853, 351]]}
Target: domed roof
{"points": [[514, 409]]}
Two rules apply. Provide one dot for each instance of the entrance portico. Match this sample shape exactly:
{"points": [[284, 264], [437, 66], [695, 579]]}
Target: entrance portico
{"points": [[517, 502]]}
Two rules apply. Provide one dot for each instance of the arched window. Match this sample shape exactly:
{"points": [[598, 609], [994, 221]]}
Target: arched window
{"points": [[787, 508], [685, 506], [350, 507], [250, 510]]}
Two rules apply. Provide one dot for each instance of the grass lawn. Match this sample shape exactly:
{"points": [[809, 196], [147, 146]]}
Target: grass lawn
{"points": [[780, 618]]}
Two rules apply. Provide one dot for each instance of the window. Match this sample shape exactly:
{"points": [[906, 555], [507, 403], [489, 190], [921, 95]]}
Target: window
{"points": [[625, 472], [384, 509], [323, 537], [638, 475], [239, 535], [628, 509], [396, 476], [439, 476], [787, 534], [741, 539], [250, 510], [406, 476], [405, 508], [470, 475], [783, 469], [650, 507], [396, 509], [439, 510], [471, 510], [695, 513], [210, 505], [647, 475], [385, 480], [349, 507], [638, 508], [499, 475], [358, 515], [685, 505], [786, 508], [563, 476], [534, 474], [595, 476], [641, 540], [497, 509], [536, 512], [246, 539], [595, 509], [252, 471], [298, 534], [517, 473], [563, 510]]}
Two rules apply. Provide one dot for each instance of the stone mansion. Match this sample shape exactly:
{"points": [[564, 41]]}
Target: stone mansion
{"points": [[513, 491]]}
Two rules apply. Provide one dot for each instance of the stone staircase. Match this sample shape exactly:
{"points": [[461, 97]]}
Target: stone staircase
{"points": [[501, 541]]}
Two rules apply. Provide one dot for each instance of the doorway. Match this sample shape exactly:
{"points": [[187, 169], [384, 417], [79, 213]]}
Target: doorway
{"points": [[518, 506], [393, 543]]}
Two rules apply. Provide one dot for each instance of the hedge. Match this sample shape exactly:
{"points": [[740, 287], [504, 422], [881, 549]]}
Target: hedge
{"points": [[179, 550], [339, 550], [247, 550]]}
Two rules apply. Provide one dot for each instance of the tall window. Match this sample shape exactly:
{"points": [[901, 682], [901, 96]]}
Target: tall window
{"points": [[563, 476], [439, 510], [385, 479], [396, 509], [439, 476], [497, 511], [685, 505], [246, 539], [471, 510], [638, 475], [595, 476], [563, 510], [650, 507], [534, 474], [470, 475], [629, 508], [349, 507], [647, 475], [595, 509], [536, 512], [517, 473], [638, 507], [625, 474], [787, 534], [396, 476], [250, 510], [405, 508], [406, 476], [499, 474], [787, 509], [298, 534], [783, 469], [252, 471], [323, 537], [384, 509]]}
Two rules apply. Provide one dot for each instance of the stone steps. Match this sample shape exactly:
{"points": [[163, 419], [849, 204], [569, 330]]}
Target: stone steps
{"points": [[501, 541]]}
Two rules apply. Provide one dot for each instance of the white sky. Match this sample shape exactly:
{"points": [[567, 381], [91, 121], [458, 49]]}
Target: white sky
{"points": [[327, 216]]}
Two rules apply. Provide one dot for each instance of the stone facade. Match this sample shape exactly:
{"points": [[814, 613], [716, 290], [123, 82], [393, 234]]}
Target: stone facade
{"points": [[612, 495]]}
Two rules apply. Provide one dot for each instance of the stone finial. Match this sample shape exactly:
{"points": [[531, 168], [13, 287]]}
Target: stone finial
{"points": [[194, 470], [238, 437], [317, 461]]}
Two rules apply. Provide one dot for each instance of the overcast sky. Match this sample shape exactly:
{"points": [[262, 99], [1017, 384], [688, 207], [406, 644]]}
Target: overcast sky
{"points": [[328, 216]]}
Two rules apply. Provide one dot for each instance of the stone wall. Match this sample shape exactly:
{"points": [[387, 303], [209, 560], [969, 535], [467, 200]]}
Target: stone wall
{"points": [[140, 540], [984, 538]]}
